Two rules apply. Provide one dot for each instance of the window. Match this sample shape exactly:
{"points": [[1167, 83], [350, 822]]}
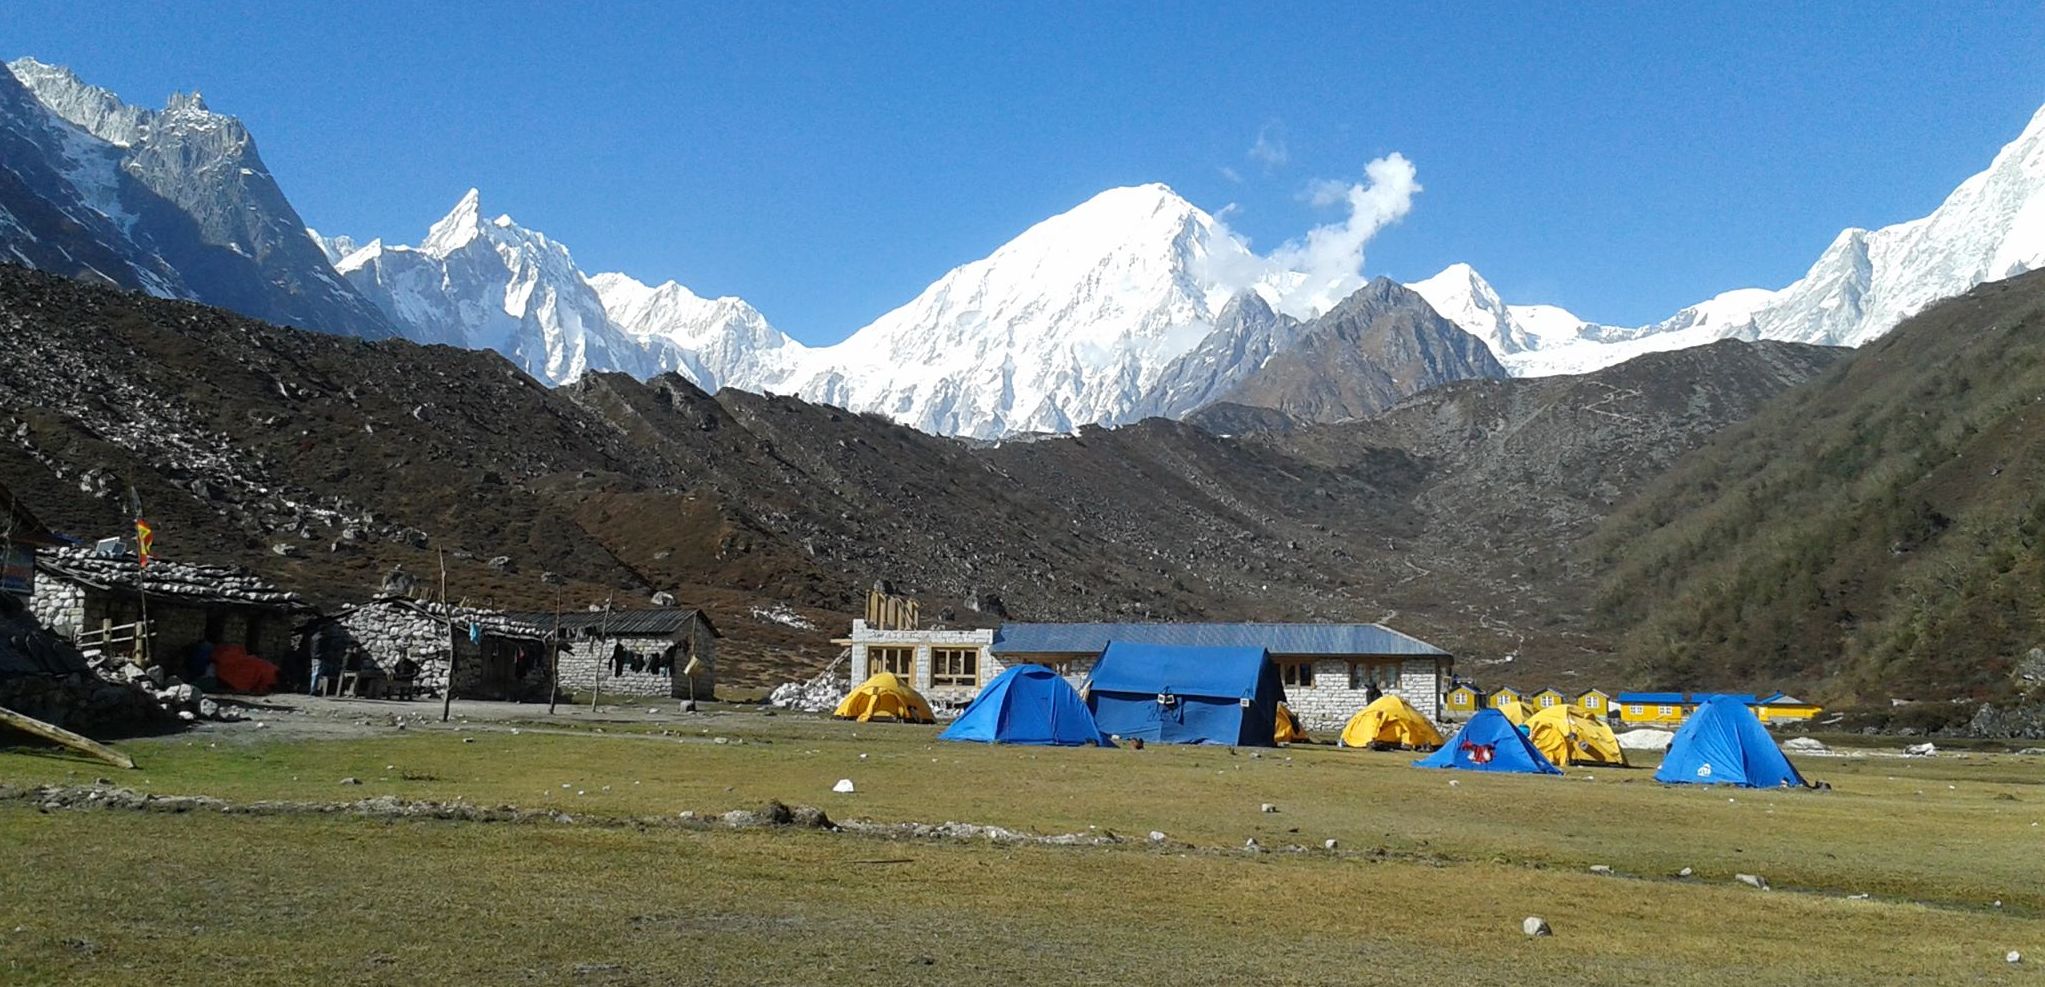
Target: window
{"points": [[1665, 710], [1547, 701], [1297, 673], [1635, 710], [1592, 702], [954, 666], [899, 661], [1364, 674]]}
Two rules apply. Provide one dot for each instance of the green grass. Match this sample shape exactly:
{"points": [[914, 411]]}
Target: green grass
{"points": [[210, 897]]}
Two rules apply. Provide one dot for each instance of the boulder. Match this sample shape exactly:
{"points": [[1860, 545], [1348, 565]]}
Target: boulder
{"points": [[1920, 750], [1807, 745], [1646, 739], [1535, 925], [843, 787], [1752, 880]]}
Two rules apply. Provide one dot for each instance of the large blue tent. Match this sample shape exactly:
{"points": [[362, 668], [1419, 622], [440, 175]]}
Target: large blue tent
{"points": [[1179, 694], [1724, 743], [1027, 704], [1489, 742]]}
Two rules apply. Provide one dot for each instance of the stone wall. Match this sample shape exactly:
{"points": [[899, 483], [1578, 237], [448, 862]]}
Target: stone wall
{"points": [[176, 625], [950, 696], [1330, 702], [388, 632], [587, 664]]}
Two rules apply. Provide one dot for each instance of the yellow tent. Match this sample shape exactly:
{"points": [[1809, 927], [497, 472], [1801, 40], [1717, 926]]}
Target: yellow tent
{"points": [[1390, 720], [885, 696], [1288, 730], [1568, 735], [1517, 711]]}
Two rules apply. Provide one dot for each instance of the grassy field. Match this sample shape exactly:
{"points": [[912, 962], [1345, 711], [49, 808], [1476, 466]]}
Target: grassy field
{"points": [[1429, 882]]}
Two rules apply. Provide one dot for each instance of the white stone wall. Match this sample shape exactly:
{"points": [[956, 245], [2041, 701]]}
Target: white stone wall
{"points": [[923, 640], [1077, 669], [587, 665], [387, 633], [58, 605], [1330, 702]]}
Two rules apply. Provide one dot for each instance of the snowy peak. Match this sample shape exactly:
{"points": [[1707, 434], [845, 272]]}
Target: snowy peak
{"points": [[461, 226], [1463, 297], [95, 110], [720, 342]]}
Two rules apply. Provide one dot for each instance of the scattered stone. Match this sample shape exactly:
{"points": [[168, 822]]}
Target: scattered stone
{"points": [[1267, 807], [1686, 872], [1808, 745], [1752, 880], [1604, 869], [843, 787], [1252, 845], [2012, 957], [1920, 750], [1535, 926], [726, 740], [1646, 739], [1328, 844], [351, 781], [1156, 837]]}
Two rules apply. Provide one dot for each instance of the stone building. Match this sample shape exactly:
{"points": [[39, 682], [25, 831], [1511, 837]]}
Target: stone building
{"points": [[495, 655], [21, 536], [946, 666], [82, 595], [634, 652], [1329, 670]]}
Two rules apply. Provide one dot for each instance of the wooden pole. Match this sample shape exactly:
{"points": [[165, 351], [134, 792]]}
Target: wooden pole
{"points": [[603, 633], [453, 646], [554, 656], [58, 735]]}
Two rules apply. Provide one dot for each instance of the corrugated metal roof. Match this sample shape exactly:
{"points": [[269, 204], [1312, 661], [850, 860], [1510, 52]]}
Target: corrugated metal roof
{"points": [[1278, 639], [651, 622], [1682, 697]]}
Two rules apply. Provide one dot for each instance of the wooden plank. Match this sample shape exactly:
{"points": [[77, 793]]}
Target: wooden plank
{"points": [[64, 738]]}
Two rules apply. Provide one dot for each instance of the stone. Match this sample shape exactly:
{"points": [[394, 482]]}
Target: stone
{"points": [[1328, 844], [351, 781], [1267, 807], [284, 549], [843, 787], [1920, 750], [1252, 845], [1535, 925], [1686, 872], [1752, 880], [1156, 837], [1809, 745], [663, 599], [2012, 957], [1646, 739], [1604, 869]]}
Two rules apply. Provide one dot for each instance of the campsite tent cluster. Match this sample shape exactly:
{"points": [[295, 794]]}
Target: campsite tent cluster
{"points": [[1208, 695]]}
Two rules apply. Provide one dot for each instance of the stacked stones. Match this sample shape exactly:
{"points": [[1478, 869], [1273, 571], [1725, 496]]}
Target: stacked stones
{"points": [[392, 629]]}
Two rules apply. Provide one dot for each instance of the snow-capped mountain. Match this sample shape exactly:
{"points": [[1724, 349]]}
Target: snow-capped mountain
{"points": [[715, 342], [1069, 323], [205, 166], [1991, 227], [492, 284]]}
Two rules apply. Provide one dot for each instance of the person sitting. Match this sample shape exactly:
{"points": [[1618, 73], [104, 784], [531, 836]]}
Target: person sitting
{"points": [[404, 682]]}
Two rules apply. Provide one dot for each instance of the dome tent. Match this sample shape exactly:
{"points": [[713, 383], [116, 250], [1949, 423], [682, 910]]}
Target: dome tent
{"points": [[1724, 743], [1489, 742], [1288, 729], [1569, 735], [1027, 704], [1393, 721], [885, 696]]}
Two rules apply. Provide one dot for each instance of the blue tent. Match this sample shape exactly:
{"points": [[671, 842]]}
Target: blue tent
{"points": [[1028, 704], [1178, 694], [1724, 743], [1489, 742]]}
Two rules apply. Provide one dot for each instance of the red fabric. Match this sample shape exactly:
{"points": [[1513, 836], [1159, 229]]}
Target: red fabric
{"points": [[240, 671]]}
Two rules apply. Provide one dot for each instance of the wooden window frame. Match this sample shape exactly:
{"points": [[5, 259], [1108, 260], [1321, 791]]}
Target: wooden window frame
{"points": [[1296, 674], [877, 656], [940, 673]]}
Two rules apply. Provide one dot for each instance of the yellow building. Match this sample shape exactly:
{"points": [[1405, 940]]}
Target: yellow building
{"points": [[1461, 702], [1502, 695], [1657, 708], [1784, 708], [1547, 698], [1595, 702]]}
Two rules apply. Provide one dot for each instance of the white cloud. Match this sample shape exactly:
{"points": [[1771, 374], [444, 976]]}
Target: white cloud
{"points": [[1269, 148], [1308, 276], [1231, 174]]}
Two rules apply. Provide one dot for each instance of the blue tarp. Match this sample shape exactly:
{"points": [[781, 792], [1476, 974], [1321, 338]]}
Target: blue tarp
{"points": [[1724, 743], [1489, 742], [1176, 694], [1028, 704]]}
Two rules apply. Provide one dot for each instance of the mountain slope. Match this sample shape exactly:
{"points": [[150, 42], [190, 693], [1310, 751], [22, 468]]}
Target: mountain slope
{"points": [[207, 166], [1380, 345], [715, 342], [1879, 533]]}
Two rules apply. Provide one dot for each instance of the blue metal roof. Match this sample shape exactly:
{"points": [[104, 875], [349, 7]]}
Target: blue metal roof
{"points": [[1277, 639]]}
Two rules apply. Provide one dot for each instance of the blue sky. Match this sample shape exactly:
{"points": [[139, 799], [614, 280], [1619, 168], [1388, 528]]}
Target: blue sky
{"points": [[828, 161]]}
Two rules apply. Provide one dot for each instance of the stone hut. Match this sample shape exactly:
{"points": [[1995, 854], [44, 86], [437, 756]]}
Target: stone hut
{"points": [[85, 596], [635, 652], [496, 656]]}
